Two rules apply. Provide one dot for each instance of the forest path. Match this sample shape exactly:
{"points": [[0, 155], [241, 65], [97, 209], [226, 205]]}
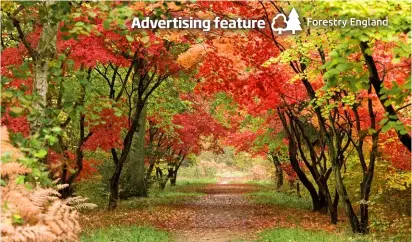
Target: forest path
{"points": [[224, 213]]}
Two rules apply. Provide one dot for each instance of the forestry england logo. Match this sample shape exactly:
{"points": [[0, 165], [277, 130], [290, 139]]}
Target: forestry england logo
{"points": [[292, 22]]}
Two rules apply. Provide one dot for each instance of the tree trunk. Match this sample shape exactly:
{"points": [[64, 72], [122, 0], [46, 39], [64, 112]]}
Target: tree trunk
{"points": [[173, 179], [114, 188], [163, 181], [377, 85], [149, 171], [159, 173], [46, 51], [135, 182], [295, 164], [279, 171], [350, 213], [119, 161], [170, 174], [368, 175], [174, 176]]}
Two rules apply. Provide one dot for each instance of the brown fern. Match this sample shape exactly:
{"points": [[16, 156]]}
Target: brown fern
{"points": [[37, 214]]}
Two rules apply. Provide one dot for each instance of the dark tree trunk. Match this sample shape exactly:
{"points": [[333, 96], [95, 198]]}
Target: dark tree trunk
{"points": [[347, 205], [377, 85], [149, 171], [159, 173], [173, 180], [295, 164], [163, 181], [174, 177], [114, 188], [279, 171], [327, 201], [334, 210], [298, 189], [170, 174], [119, 162], [368, 173], [68, 191]]}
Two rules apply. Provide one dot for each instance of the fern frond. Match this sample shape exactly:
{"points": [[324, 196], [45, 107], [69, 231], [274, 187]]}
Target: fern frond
{"points": [[13, 168], [40, 197], [84, 206], [31, 233], [60, 187], [76, 200], [45, 217], [56, 181]]}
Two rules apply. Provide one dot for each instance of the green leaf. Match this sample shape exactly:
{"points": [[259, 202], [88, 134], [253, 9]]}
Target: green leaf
{"points": [[20, 179], [387, 103], [56, 129], [129, 38], [16, 110], [41, 154], [363, 38], [106, 24], [17, 219]]}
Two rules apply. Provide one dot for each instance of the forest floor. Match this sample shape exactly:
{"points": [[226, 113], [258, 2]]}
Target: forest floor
{"points": [[222, 212], [225, 214]]}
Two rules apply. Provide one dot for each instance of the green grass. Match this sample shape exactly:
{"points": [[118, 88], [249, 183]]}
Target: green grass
{"points": [[126, 234], [159, 198], [185, 189], [297, 235], [265, 183], [280, 199], [195, 181]]}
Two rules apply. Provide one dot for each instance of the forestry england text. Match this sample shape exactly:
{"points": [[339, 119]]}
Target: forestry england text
{"points": [[352, 22]]}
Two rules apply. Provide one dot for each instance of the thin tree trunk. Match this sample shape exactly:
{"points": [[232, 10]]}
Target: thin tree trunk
{"points": [[119, 161], [368, 172], [298, 189], [347, 205], [279, 171], [173, 179], [149, 171], [114, 188], [159, 173], [295, 164]]}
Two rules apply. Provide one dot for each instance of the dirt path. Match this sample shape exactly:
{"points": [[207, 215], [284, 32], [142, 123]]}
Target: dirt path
{"points": [[223, 214]]}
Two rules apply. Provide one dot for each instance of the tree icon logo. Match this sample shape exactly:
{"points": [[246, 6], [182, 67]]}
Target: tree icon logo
{"points": [[292, 24]]}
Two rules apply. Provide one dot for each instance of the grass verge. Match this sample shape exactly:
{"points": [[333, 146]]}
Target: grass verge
{"points": [[280, 199], [126, 234], [295, 234], [302, 235]]}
